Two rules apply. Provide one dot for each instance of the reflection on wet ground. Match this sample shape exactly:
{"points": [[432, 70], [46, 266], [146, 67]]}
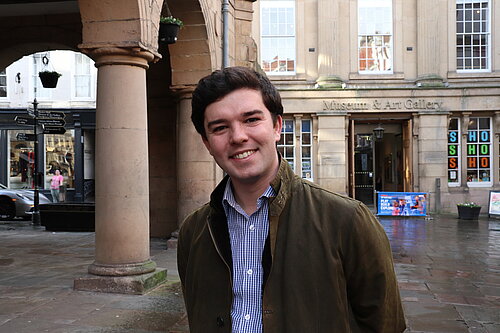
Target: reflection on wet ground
{"points": [[448, 271]]}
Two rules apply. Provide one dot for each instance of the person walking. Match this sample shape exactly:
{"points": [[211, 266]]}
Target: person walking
{"points": [[272, 252], [55, 184]]}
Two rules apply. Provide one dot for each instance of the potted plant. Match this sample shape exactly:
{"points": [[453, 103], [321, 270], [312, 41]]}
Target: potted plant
{"points": [[468, 211], [49, 78], [169, 28]]}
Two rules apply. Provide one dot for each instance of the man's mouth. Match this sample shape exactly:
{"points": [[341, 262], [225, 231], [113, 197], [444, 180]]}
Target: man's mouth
{"points": [[244, 154]]}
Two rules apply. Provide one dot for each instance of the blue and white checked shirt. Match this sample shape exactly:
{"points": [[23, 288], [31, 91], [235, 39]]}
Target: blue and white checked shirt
{"points": [[248, 237]]}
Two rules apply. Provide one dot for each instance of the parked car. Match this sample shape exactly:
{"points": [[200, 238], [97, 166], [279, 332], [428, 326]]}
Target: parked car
{"points": [[17, 202]]}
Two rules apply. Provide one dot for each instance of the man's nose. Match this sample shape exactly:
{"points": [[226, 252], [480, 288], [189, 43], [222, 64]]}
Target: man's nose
{"points": [[238, 134]]}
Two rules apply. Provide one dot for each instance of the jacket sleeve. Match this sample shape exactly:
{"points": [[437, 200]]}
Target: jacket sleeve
{"points": [[370, 278], [182, 254]]}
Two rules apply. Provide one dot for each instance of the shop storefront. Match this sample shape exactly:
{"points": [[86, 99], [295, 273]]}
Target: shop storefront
{"points": [[70, 153]]}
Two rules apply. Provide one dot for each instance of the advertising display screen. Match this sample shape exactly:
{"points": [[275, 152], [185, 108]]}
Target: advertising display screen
{"points": [[401, 204], [494, 206]]}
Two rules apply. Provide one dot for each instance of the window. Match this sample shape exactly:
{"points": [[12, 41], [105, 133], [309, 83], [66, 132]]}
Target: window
{"points": [[21, 160], [375, 36], [278, 36], [473, 35], [289, 141], [40, 62], [454, 152], [3, 83], [479, 152], [59, 155], [82, 75], [286, 145]]}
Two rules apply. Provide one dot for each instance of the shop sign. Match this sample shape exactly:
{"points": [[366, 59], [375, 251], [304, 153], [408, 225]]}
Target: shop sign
{"points": [[402, 203], [51, 114], [24, 121], [53, 130], [377, 104], [52, 122]]}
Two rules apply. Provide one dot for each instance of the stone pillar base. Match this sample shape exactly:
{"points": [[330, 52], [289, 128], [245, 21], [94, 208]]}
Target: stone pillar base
{"points": [[430, 81], [329, 82], [133, 284]]}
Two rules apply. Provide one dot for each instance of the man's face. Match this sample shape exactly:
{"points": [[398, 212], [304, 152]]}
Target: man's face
{"points": [[241, 136]]}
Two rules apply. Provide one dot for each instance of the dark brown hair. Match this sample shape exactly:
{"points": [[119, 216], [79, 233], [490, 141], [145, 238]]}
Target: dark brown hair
{"points": [[222, 82]]}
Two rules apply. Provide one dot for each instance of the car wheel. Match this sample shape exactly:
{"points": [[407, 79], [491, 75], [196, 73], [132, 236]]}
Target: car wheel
{"points": [[7, 209]]}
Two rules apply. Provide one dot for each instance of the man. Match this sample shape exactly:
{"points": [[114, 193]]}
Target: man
{"points": [[272, 252]]}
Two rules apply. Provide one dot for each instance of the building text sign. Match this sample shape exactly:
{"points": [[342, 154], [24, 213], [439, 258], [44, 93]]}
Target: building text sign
{"points": [[377, 104]]}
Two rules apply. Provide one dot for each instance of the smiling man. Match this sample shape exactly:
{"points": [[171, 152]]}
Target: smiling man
{"points": [[272, 252]]}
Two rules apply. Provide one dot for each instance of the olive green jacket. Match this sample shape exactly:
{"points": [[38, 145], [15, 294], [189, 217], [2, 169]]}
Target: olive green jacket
{"points": [[327, 264]]}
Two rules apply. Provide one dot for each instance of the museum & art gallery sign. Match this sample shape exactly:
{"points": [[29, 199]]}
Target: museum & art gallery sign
{"points": [[409, 104]]}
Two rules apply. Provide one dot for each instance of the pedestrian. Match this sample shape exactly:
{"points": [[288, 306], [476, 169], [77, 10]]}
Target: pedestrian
{"points": [[272, 252], [55, 184]]}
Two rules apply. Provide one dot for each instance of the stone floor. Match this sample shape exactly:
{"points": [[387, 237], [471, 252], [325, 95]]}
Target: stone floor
{"points": [[448, 271]]}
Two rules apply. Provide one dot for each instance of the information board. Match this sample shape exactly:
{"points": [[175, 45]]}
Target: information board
{"points": [[402, 203], [494, 205]]}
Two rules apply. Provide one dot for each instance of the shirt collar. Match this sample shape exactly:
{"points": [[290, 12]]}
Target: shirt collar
{"points": [[228, 198]]}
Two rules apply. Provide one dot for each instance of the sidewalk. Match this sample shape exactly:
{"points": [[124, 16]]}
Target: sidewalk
{"points": [[448, 270]]}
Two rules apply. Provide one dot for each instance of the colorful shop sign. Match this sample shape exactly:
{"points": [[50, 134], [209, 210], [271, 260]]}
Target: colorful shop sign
{"points": [[402, 203]]}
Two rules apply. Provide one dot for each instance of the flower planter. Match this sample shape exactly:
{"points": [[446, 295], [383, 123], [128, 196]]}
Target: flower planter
{"points": [[468, 213], [168, 32], [49, 79]]}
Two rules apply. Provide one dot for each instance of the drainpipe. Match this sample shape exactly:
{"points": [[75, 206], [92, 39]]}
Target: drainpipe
{"points": [[225, 33]]}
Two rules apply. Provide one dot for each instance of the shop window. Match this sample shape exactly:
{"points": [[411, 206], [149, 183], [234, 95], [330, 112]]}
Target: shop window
{"points": [[277, 18], [454, 152], [479, 152], [82, 76], [473, 35], [3, 83], [60, 155], [21, 161], [375, 36], [302, 164]]}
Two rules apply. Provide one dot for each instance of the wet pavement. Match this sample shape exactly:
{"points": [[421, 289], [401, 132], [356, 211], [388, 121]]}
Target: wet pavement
{"points": [[448, 271]]}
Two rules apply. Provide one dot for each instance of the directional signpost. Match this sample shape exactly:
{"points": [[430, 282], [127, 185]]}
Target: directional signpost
{"points": [[52, 122]]}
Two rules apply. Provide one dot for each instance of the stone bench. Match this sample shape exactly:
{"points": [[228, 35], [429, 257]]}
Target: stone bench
{"points": [[68, 216]]}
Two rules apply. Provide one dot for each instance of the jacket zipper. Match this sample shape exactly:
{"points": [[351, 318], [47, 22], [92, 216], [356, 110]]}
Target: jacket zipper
{"points": [[220, 255]]}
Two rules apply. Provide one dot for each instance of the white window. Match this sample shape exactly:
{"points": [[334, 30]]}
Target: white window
{"points": [[277, 36], [40, 63], [479, 143], [454, 152], [82, 76], [290, 140], [375, 36], [473, 35]]}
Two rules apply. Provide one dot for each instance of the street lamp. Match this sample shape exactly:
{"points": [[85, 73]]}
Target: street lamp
{"points": [[378, 132]]}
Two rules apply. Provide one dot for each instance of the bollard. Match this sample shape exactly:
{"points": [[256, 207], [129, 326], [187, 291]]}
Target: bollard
{"points": [[438, 196]]}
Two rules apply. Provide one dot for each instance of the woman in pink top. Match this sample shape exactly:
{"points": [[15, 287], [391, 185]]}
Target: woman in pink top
{"points": [[57, 180]]}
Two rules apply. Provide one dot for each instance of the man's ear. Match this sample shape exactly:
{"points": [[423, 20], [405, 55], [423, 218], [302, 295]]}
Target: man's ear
{"points": [[277, 127]]}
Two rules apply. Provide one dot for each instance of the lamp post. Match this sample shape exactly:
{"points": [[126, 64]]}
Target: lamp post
{"points": [[35, 217]]}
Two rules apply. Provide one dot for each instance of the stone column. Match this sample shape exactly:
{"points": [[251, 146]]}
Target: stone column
{"points": [[431, 43], [122, 259], [433, 144], [328, 44], [332, 153], [198, 174]]}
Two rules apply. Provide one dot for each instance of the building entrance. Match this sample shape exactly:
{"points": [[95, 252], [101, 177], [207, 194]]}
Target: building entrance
{"points": [[382, 164]]}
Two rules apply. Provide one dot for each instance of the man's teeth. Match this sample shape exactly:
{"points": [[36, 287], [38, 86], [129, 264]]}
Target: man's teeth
{"points": [[245, 154]]}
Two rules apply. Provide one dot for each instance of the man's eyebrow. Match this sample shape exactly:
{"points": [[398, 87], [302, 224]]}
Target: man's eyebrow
{"points": [[245, 114], [253, 112]]}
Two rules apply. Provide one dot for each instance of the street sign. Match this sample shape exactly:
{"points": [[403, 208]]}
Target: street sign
{"points": [[53, 130], [24, 121], [52, 122], [26, 137], [51, 114]]}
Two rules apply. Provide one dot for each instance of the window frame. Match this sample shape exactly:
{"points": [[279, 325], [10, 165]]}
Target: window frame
{"points": [[490, 155], [3, 73], [266, 4], [458, 155]]}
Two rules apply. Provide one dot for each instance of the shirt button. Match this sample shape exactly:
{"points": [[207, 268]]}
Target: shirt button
{"points": [[249, 272], [247, 317], [252, 227]]}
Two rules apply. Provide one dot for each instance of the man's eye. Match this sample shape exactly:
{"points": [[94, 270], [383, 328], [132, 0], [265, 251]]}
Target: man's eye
{"points": [[218, 128], [252, 120]]}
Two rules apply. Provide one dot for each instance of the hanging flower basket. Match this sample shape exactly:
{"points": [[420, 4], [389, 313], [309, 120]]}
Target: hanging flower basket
{"points": [[169, 28], [468, 211], [49, 79]]}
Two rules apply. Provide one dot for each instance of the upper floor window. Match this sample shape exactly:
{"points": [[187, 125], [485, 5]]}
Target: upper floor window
{"points": [[40, 62], [3, 83], [375, 36], [473, 35], [277, 36], [82, 76]]}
